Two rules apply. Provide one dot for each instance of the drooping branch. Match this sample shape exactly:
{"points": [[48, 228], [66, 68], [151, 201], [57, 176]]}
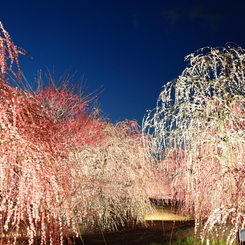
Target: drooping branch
{"points": [[202, 112], [9, 54]]}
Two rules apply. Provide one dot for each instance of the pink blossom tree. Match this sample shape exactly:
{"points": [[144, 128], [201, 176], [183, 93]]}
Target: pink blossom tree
{"points": [[36, 183], [62, 169], [112, 169], [202, 113]]}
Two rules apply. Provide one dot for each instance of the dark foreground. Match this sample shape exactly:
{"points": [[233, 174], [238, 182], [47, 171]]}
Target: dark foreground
{"points": [[158, 232]]}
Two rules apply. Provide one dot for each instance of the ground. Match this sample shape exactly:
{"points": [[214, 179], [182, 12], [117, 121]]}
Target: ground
{"points": [[156, 231]]}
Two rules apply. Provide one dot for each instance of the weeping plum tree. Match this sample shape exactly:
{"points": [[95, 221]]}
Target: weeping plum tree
{"points": [[198, 130], [118, 163], [60, 167], [112, 169], [37, 184]]}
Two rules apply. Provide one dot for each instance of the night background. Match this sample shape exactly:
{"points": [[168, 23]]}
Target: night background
{"points": [[132, 48]]}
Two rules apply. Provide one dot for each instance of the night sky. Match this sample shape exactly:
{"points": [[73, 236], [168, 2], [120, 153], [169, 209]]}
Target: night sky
{"points": [[132, 48]]}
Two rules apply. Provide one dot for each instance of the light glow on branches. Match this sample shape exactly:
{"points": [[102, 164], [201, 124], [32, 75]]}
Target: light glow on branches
{"points": [[202, 113]]}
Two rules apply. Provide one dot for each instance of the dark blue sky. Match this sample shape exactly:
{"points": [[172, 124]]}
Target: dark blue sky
{"points": [[131, 47]]}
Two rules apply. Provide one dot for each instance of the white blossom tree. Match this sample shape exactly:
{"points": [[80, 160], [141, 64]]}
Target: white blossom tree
{"points": [[202, 113]]}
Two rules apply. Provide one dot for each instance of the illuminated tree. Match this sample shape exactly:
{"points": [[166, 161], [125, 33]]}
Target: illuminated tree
{"points": [[118, 164], [112, 168], [62, 168], [202, 113], [36, 183]]}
